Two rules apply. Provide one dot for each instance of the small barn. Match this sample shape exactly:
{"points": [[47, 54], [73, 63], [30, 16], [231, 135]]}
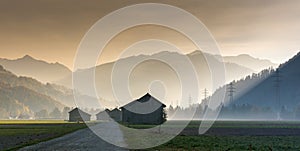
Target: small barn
{"points": [[107, 114], [116, 114], [145, 110], [103, 115], [77, 115]]}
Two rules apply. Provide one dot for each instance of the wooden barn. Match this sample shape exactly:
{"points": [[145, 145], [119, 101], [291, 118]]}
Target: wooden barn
{"points": [[145, 110], [116, 114], [77, 115], [103, 115], [107, 114]]}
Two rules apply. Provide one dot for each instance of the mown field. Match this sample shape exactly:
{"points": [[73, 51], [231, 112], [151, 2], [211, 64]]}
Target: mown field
{"points": [[235, 136], [232, 143], [222, 136], [15, 134]]}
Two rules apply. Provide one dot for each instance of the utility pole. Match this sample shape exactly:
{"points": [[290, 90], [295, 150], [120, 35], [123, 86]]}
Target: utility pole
{"points": [[277, 76], [231, 90], [190, 101], [205, 93]]}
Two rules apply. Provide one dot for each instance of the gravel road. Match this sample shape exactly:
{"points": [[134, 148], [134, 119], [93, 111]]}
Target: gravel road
{"points": [[84, 140]]}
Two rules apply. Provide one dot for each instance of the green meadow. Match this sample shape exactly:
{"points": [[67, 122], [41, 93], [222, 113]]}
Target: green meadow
{"points": [[223, 135], [15, 134], [232, 143], [234, 136]]}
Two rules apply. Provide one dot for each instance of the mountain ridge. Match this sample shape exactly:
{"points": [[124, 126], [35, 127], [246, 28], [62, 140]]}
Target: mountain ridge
{"points": [[38, 69], [251, 62], [147, 71], [57, 93], [17, 100], [273, 92]]}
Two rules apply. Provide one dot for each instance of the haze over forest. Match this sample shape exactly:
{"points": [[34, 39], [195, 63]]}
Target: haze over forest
{"points": [[25, 96], [59, 74]]}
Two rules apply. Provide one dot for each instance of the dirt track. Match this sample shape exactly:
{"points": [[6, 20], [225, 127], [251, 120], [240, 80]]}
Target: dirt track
{"points": [[83, 139]]}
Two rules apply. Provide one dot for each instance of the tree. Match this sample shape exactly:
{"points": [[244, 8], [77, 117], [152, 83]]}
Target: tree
{"points": [[65, 112], [42, 114], [171, 110], [297, 112], [164, 116], [55, 113]]}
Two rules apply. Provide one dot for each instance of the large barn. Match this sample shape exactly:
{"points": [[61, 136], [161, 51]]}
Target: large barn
{"points": [[77, 115], [145, 110]]}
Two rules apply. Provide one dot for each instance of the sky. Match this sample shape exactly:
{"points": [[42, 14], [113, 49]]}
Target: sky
{"points": [[51, 30]]}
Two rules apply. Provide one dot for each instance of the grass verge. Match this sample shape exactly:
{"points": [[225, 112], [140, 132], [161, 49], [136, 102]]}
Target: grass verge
{"points": [[17, 134]]}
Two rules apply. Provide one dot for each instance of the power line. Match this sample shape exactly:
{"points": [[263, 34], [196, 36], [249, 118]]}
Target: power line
{"points": [[205, 100], [231, 90], [277, 81], [205, 93]]}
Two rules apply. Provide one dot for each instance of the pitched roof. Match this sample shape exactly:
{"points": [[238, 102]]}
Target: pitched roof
{"points": [[144, 105], [115, 110], [104, 111], [80, 111], [109, 111]]}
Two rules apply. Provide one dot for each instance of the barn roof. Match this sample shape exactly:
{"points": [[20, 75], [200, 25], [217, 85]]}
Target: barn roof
{"points": [[104, 111], [145, 104], [80, 111], [108, 111], [115, 110]]}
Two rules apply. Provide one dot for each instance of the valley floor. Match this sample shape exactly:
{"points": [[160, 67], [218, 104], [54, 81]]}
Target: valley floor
{"points": [[223, 135], [237, 136], [15, 134]]}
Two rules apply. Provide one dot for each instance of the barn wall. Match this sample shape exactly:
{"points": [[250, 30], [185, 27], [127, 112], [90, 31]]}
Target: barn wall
{"points": [[155, 117], [102, 116], [116, 115], [75, 116]]}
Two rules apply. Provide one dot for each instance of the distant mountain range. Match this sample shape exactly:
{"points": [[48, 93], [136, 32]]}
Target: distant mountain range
{"points": [[250, 62], [142, 76], [23, 96], [56, 72], [37, 69]]}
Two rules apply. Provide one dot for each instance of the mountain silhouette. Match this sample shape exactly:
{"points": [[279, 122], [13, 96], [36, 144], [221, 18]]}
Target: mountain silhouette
{"points": [[34, 96], [148, 71], [37, 69], [17, 100], [250, 62], [273, 90]]}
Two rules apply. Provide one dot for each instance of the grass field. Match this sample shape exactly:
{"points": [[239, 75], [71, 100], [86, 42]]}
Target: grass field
{"points": [[15, 134], [222, 136], [232, 143], [33, 121], [235, 136], [230, 124]]}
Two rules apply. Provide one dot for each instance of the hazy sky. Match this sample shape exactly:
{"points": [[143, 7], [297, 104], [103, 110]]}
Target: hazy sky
{"points": [[52, 29]]}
